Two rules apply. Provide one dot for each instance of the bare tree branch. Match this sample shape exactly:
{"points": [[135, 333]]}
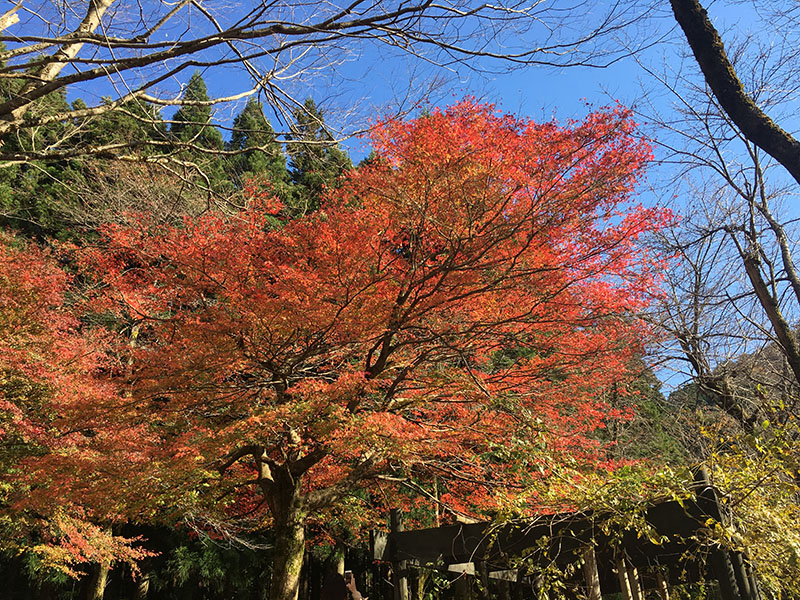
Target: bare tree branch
{"points": [[721, 77], [140, 56]]}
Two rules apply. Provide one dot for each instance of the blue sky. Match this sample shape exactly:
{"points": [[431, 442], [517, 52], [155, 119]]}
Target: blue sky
{"points": [[367, 81], [370, 81]]}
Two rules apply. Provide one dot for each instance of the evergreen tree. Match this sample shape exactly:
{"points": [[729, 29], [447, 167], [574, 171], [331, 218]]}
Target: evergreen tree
{"points": [[315, 159], [30, 190], [192, 123], [251, 129], [135, 122], [651, 427]]}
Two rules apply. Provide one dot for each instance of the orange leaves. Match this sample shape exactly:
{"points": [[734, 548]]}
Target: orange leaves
{"points": [[58, 427], [479, 279], [72, 542], [46, 363]]}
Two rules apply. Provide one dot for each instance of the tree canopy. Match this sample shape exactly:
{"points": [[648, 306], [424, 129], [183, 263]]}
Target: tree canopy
{"points": [[475, 286]]}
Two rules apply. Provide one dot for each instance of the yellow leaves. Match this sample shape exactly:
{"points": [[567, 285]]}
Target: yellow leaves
{"points": [[756, 476], [73, 541]]}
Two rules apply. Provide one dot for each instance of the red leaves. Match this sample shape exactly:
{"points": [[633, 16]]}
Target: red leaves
{"points": [[472, 290], [46, 362], [61, 445]]}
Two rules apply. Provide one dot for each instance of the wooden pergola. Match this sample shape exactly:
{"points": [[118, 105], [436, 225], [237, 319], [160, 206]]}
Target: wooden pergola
{"points": [[593, 556]]}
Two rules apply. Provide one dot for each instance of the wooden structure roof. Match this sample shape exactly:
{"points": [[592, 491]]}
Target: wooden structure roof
{"points": [[670, 548]]}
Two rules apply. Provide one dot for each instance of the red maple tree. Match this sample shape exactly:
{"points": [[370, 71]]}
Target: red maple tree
{"points": [[456, 306], [58, 451]]}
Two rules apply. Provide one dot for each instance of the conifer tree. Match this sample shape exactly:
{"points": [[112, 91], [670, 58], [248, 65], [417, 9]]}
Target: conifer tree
{"points": [[315, 159], [251, 129], [28, 189], [192, 123], [135, 122]]}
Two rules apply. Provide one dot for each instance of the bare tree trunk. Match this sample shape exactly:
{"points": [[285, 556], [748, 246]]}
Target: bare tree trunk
{"points": [[783, 331]]}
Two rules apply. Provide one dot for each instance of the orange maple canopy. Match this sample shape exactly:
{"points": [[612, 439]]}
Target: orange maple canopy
{"points": [[456, 310]]}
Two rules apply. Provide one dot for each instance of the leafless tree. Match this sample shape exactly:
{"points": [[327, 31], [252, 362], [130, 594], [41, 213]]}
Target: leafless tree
{"points": [[733, 298], [138, 52], [720, 75]]}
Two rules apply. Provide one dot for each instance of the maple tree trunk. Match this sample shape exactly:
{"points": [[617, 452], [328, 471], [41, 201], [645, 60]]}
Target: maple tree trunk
{"points": [[288, 562], [286, 504]]}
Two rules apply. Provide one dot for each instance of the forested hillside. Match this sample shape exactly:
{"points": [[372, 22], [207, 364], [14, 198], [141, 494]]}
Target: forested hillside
{"points": [[173, 168]]}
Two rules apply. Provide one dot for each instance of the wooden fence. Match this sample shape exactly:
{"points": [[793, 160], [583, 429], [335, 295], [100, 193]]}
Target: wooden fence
{"points": [[589, 555]]}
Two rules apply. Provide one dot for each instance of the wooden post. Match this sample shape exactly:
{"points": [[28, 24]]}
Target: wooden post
{"points": [[385, 586], [590, 574], [753, 582], [661, 585], [740, 572], [505, 590], [483, 574], [516, 589], [722, 570], [461, 587], [633, 581], [373, 590], [719, 563], [624, 583], [399, 567], [142, 586], [628, 579]]}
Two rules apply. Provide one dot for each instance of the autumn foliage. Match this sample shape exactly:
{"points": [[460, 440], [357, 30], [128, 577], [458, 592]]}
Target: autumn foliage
{"points": [[454, 313], [455, 309], [60, 452]]}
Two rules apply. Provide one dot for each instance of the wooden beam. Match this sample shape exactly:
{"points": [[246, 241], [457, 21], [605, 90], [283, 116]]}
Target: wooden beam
{"points": [[399, 567]]}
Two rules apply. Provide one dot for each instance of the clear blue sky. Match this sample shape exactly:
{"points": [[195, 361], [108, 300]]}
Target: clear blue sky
{"points": [[375, 81]]}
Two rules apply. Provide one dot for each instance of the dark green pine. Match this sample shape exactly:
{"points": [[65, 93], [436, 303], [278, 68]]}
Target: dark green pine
{"points": [[315, 160], [264, 158], [192, 123]]}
